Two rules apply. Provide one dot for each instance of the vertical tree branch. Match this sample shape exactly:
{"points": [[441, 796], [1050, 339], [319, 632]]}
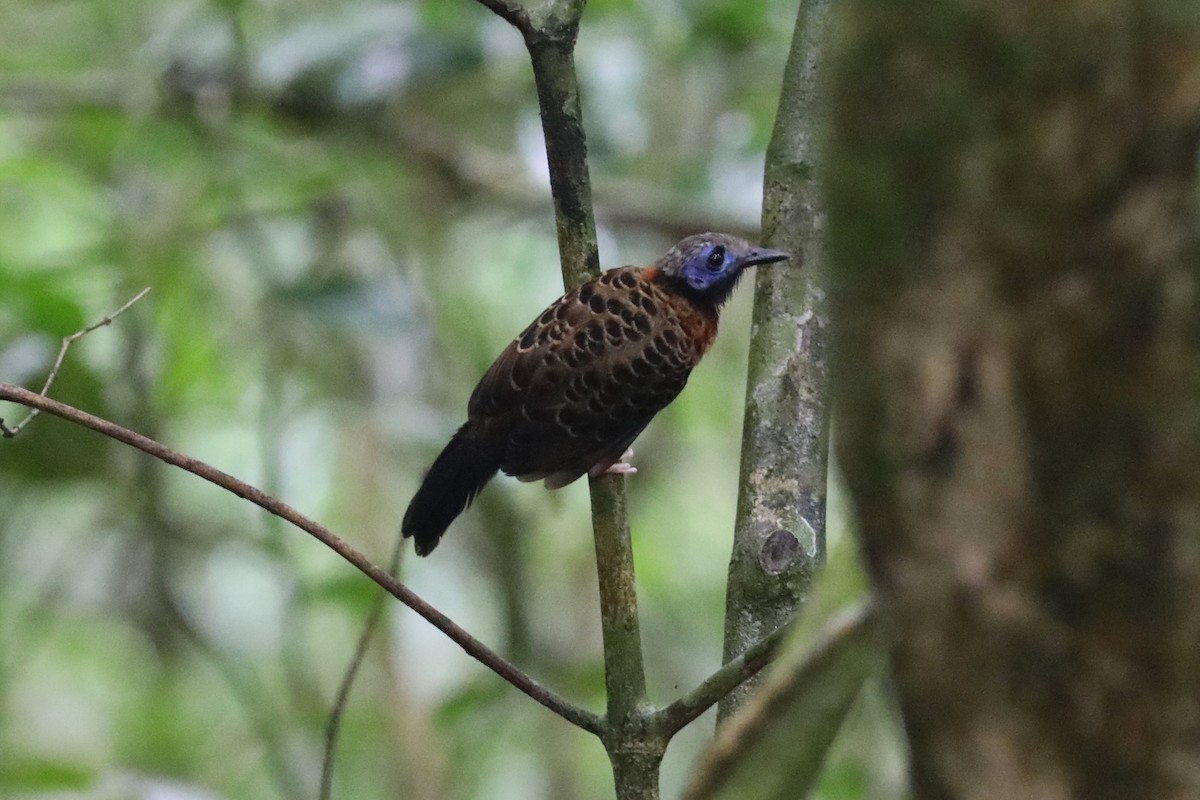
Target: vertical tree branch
{"points": [[635, 754], [551, 52], [551, 46], [624, 673], [780, 533]]}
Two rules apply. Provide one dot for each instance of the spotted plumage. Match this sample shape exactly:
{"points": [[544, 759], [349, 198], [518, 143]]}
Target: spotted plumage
{"points": [[573, 390]]}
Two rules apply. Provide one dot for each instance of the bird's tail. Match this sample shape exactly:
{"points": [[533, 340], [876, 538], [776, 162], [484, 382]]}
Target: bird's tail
{"points": [[459, 473]]}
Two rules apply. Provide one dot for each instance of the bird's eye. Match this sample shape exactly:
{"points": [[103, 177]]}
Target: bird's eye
{"points": [[716, 259]]}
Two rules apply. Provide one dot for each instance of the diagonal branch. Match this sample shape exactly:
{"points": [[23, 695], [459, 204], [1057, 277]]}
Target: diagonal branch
{"points": [[812, 689], [732, 674], [572, 713]]}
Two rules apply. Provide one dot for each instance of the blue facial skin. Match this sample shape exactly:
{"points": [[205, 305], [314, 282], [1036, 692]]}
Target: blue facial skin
{"points": [[710, 267], [709, 273]]}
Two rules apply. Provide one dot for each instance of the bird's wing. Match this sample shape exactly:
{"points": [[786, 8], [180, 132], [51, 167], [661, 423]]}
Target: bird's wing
{"points": [[581, 382]]}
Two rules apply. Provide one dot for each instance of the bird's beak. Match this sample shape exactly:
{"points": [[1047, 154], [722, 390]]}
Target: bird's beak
{"points": [[761, 255]]}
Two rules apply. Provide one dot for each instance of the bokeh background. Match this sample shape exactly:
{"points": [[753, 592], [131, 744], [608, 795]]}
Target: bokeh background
{"points": [[342, 211]]}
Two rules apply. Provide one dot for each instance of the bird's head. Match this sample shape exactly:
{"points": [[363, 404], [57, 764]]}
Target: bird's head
{"points": [[707, 266]]}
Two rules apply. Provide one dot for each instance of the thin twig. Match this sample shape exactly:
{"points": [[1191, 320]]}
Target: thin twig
{"points": [[334, 725], [675, 716], [67, 341], [511, 12], [572, 713]]}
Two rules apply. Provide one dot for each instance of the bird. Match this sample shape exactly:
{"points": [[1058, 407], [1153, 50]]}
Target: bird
{"points": [[572, 391]]}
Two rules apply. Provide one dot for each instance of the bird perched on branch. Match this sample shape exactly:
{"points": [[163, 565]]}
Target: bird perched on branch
{"points": [[570, 394]]}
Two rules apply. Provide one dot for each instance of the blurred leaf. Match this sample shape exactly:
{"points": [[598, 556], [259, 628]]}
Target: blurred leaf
{"points": [[191, 366], [31, 774], [90, 135], [438, 15], [351, 591], [445, 56], [471, 699], [597, 7], [38, 302], [163, 148], [152, 737], [343, 302], [844, 782], [733, 25], [48, 211]]}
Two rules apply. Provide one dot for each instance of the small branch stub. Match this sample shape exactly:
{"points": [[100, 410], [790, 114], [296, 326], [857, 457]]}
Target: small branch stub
{"points": [[779, 550]]}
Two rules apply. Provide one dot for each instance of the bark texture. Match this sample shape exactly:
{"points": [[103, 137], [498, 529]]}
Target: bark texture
{"points": [[1018, 363], [779, 540]]}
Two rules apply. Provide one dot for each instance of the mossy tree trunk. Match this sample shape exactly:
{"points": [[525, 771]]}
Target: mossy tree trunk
{"points": [[1018, 376], [779, 541]]}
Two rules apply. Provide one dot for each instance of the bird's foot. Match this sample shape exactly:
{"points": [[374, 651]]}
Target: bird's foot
{"points": [[621, 467]]}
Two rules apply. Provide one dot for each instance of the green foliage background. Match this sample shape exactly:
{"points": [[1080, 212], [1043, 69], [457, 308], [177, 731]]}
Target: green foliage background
{"points": [[342, 211]]}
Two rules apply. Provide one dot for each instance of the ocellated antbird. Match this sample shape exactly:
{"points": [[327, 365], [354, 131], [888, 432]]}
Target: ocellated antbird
{"points": [[570, 394]]}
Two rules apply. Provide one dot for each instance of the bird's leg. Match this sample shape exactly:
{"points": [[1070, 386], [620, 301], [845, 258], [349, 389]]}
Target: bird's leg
{"points": [[620, 467]]}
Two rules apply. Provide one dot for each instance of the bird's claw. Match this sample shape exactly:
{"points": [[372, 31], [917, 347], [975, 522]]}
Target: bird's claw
{"points": [[621, 467]]}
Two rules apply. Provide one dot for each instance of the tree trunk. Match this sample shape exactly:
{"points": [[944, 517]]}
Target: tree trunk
{"points": [[779, 538], [1018, 369]]}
